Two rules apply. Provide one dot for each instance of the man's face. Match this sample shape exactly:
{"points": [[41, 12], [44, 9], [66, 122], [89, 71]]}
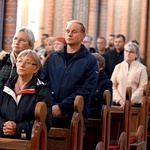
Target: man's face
{"points": [[86, 42], [110, 41], [43, 39], [101, 44], [119, 43], [20, 42], [73, 34]]}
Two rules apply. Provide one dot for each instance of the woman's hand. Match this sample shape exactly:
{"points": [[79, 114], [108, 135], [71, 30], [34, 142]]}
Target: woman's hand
{"points": [[9, 128], [122, 103]]}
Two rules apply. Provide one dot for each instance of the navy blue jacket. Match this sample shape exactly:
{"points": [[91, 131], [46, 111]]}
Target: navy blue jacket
{"points": [[77, 77]]}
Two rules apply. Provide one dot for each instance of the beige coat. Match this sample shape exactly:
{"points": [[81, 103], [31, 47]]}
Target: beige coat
{"points": [[124, 76]]}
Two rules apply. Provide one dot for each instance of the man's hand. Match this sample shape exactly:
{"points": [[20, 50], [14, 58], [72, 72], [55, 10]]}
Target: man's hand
{"points": [[9, 128], [56, 112]]}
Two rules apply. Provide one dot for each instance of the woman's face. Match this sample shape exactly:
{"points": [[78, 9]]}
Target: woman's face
{"points": [[58, 45], [129, 55], [49, 47], [20, 42], [26, 66]]}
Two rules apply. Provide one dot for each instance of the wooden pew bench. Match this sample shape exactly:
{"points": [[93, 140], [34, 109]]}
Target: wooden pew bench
{"points": [[113, 139], [38, 136], [98, 128], [72, 138], [139, 123]]}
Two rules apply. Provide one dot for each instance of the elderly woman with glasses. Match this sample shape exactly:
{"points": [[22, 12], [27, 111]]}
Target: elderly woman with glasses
{"points": [[23, 39], [131, 73], [20, 96]]}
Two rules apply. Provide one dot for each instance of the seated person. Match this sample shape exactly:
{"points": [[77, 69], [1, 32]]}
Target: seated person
{"points": [[131, 73], [20, 96], [104, 83]]}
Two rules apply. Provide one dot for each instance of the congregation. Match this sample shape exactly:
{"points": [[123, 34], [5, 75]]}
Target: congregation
{"points": [[62, 68]]}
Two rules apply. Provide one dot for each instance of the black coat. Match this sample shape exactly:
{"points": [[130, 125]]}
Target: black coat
{"points": [[104, 83], [23, 112], [112, 58]]}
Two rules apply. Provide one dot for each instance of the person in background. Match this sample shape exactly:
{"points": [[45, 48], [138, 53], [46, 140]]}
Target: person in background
{"points": [[131, 73], [20, 96], [140, 58], [42, 46], [112, 58], [23, 39], [59, 43], [87, 41], [101, 45], [49, 47], [110, 42], [70, 72], [103, 83]]}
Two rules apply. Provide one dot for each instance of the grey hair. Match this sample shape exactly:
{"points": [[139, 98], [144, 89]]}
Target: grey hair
{"points": [[33, 55], [90, 37], [30, 35], [100, 60], [134, 47]]}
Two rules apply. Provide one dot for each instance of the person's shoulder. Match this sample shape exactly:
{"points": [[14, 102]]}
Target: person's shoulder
{"points": [[3, 54], [139, 64]]}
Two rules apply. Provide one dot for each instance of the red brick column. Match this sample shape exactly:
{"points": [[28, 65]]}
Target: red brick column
{"points": [[67, 14], [143, 26], [110, 18], [125, 18], [93, 19], [48, 18], [10, 14]]}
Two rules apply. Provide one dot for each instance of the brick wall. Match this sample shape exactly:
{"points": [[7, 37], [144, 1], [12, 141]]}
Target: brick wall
{"points": [[9, 23]]}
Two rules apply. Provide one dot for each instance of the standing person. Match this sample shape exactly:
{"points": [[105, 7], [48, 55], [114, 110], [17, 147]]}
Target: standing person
{"points": [[110, 42], [70, 72], [132, 73], [20, 96], [101, 45], [23, 39], [116, 56], [42, 46], [59, 43], [103, 83], [87, 42]]}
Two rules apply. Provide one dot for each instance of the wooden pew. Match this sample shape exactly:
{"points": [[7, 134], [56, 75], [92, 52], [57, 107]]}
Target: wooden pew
{"points": [[120, 125], [38, 137], [69, 139], [139, 124], [98, 128], [118, 140]]}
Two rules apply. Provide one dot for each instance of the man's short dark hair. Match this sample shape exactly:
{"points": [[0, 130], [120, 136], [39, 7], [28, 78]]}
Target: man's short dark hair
{"points": [[121, 35], [45, 34]]}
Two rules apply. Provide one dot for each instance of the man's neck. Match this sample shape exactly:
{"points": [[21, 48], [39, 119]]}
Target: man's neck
{"points": [[119, 50], [73, 48]]}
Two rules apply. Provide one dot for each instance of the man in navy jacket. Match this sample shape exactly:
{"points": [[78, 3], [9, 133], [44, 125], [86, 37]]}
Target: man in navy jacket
{"points": [[71, 71]]}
